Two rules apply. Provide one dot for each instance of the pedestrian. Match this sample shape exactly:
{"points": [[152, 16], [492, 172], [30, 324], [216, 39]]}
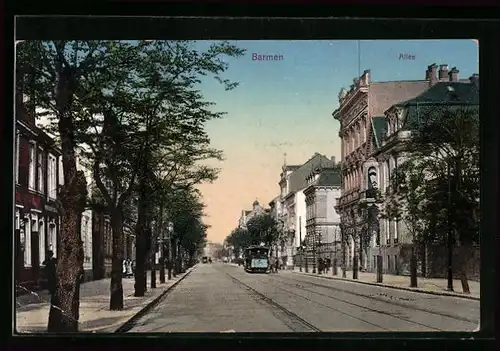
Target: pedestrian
{"points": [[277, 265], [50, 265], [328, 264], [129, 267], [320, 265], [124, 268], [271, 264]]}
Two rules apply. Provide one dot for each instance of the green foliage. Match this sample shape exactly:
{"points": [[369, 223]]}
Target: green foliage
{"points": [[263, 228], [438, 185], [239, 239]]}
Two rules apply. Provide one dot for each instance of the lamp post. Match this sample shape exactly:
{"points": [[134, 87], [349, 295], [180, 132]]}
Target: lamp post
{"points": [[301, 244], [319, 253], [355, 258], [170, 231], [450, 234], [314, 252]]}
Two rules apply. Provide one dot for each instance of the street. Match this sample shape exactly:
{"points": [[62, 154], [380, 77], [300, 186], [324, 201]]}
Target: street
{"points": [[224, 298]]}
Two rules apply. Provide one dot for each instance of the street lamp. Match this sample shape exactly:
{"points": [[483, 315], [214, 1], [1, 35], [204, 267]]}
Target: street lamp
{"points": [[320, 251], [314, 252], [168, 235]]}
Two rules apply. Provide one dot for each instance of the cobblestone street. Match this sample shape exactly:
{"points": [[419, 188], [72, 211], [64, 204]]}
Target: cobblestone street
{"points": [[223, 298]]}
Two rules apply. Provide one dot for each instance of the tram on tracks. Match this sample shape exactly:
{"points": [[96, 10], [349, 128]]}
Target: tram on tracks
{"points": [[256, 259]]}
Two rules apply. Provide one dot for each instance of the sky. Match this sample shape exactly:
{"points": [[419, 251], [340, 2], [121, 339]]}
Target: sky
{"points": [[286, 106]]}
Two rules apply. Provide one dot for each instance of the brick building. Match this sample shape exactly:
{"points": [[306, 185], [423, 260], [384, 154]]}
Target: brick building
{"points": [[37, 177]]}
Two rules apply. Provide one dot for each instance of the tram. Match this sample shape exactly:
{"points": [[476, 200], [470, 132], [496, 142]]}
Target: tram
{"points": [[256, 259]]}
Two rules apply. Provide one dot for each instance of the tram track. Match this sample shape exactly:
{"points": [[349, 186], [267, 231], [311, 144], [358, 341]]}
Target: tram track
{"points": [[363, 307], [292, 320], [392, 302]]}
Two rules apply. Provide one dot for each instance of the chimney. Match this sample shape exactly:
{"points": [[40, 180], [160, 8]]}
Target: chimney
{"points": [[474, 79], [431, 73], [333, 159], [443, 72], [454, 74], [365, 78]]}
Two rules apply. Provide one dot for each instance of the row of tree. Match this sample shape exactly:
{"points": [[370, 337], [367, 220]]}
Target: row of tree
{"points": [[435, 192], [262, 228], [133, 113]]}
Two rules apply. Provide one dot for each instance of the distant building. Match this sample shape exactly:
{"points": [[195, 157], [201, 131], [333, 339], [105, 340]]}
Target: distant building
{"points": [[247, 215], [322, 221], [292, 183]]}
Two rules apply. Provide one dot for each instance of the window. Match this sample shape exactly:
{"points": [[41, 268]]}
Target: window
{"points": [[41, 240], [60, 171], [41, 178], [32, 167], [388, 171], [52, 185], [16, 169], [27, 243], [18, 220], [52, 237], [387, 232], [395, 231]]}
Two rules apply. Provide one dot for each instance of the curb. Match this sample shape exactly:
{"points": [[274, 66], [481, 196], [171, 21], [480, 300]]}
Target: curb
{"points": [[382, 285], [129, 324]]}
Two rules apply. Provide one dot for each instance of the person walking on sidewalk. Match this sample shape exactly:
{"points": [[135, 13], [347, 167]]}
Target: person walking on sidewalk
{"points": [[50, 272]]}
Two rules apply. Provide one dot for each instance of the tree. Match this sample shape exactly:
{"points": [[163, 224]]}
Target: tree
{"points": [[445, 150], [239, 239], [173, 159], [55, 71], [263, 228], [404, 203]]}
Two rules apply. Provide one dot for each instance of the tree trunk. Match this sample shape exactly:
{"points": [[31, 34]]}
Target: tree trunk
{"points": [[72, 203], [463, 254], [355, 262], [68, 269], [413, 266], [116, 299], [140, 269]]}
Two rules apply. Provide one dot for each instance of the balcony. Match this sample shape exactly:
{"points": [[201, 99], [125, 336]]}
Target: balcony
{"points": [[369, 196]]}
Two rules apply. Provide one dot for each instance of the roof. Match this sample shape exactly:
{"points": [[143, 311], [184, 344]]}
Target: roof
{"points": [[379, 124], [329, 177], [448, 94], [298, 179]]}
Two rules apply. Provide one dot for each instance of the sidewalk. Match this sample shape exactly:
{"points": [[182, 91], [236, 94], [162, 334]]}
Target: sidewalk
{"points": [[434, 286], [32, 312]]}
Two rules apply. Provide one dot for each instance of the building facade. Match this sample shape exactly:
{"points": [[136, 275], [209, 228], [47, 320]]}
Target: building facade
{"points": [[391, 132], [36, 224], [322, 221], [293, 181], [357, 112]]}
